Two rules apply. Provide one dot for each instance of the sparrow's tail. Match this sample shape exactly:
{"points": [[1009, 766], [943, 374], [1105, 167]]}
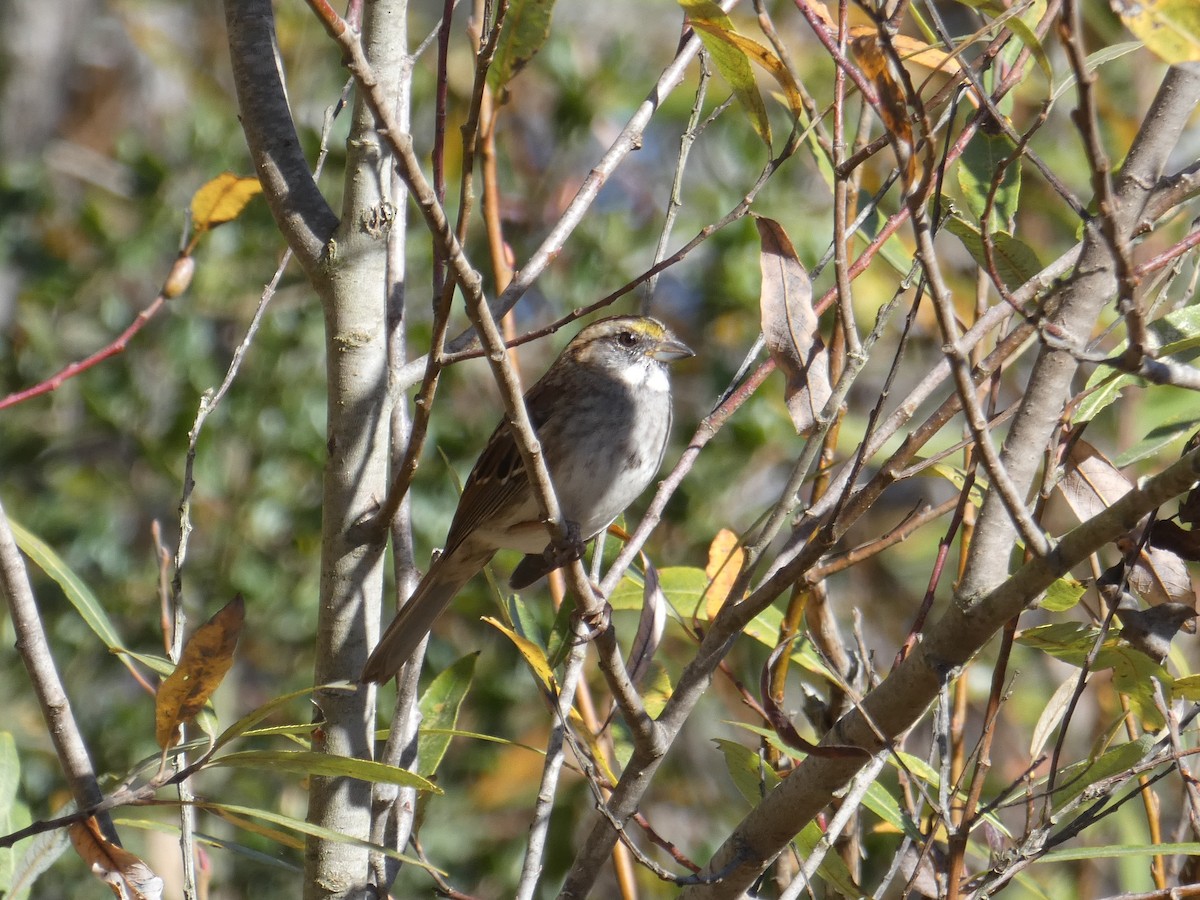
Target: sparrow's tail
{"points": [[443, 581]]}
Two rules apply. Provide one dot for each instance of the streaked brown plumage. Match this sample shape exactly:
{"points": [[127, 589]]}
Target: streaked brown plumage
{"points": [[602, 413]]}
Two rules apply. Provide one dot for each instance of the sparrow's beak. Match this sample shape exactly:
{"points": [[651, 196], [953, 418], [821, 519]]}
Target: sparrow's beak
{"points": [[671, 349]]}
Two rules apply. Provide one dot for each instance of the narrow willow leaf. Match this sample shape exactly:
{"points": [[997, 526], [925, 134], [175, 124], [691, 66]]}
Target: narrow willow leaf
{"points": [[311, 762], [1076, 779], [534, 655], [248, 721], [756, 52], [1052, 714], [74, 587], [713, 26], [439, 709], [229, 812]]}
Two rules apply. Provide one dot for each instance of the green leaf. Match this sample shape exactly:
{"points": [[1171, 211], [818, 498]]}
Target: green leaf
{"points": [[1015, 262], [683, 586], [1187, 687], [1170, 28], [76, 591], [832, 868], [1075, 779], [248, 721], [525, 29], [976, 171], [1133, 672], [309, 762], [1062, 595], [302, 827], [209, 840], [713, 27], [33, 857], [1157, 439], [13, 815], [752, 777], [893, 250], [439, 709], [1177, 332], [1124, 851], [656, 688]]}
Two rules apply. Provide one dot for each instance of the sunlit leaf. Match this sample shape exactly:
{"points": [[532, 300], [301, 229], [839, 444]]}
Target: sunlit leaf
{"points": [[222, 200], [765, 58], [1074, 780], [206, 658], [1062, 595], [1170, 28], [725, 556], [751, 775], [533, 654], [74, 587], [311, 762], [731, 61]]}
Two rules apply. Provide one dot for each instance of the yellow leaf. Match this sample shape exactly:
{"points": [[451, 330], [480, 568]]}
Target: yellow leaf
{"points": [[724, 565], [1170, 28], [206, 658], [222, 200], [532, 652]]}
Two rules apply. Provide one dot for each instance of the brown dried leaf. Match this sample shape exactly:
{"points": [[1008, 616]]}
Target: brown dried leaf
{"points": [[222, 200], [1170, 536], [725, 558], [206, 658], [1159, 576], [126, 875], [893, 107], [1092, 484], [790, 326]]}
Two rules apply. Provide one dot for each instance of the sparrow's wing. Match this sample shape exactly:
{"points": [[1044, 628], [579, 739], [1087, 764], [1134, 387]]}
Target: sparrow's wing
{"points": [[499, 474]]}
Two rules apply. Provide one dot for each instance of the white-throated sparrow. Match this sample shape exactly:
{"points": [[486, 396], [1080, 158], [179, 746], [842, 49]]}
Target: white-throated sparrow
{"points": [[602, 413]]}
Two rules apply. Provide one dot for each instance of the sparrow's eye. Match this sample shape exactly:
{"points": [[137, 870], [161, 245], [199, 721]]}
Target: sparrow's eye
{"points": [[627, 339]]}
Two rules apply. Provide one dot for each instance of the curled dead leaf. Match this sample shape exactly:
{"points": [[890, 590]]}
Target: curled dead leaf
{"points": [[126, 875]]}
